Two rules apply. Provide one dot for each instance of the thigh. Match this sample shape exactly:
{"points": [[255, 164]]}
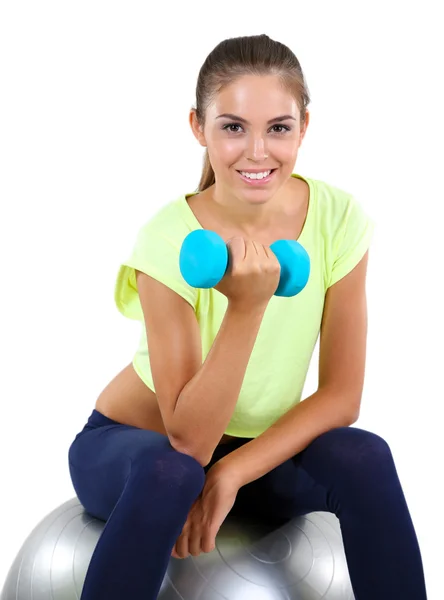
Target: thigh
{"points": [[102, 458], [287, 491], [344, 462]]}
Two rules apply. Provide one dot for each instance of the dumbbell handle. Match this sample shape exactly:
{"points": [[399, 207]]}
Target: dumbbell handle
{"points": [[203, 262]]}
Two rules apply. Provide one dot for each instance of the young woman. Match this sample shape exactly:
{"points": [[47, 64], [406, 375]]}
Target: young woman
{"points": [[208, 418]]}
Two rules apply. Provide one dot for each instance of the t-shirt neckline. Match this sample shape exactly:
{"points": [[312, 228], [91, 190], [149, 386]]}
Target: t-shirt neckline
{"points": [[193, 222]]}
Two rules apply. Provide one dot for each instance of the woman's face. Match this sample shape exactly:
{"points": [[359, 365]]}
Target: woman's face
{"points": [[252, 126]]}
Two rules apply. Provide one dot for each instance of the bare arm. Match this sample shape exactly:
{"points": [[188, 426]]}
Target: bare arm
{"points": [[206, 403], [197, 400]]}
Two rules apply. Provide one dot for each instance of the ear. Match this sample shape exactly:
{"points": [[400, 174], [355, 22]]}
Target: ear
{"points": [[304, 129], [307, 120], [196, 128]]}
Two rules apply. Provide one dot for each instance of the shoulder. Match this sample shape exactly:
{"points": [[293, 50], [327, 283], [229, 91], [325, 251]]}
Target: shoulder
{"points": [[155, 252]]}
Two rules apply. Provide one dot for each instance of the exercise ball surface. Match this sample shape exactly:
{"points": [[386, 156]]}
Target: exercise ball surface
{"points": [[302, 560]]}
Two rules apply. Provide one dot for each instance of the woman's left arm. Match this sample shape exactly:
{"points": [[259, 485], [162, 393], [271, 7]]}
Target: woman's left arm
{"points": [[336, 403]]}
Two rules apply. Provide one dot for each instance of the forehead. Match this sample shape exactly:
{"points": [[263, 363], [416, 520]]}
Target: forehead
{"points": [[254, 96]]}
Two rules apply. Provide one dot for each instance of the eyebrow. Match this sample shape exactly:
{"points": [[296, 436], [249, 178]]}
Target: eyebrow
{"points": [[241, 120]]}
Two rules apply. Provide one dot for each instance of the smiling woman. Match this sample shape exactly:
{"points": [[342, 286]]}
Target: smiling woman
{"points": [[209, 416], [251, 158]]}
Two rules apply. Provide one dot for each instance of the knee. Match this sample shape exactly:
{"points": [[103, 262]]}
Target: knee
{"points": [[167, 469], [353, 449]]}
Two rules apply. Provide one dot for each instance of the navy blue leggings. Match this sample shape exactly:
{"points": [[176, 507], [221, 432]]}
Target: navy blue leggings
{"points": [[143, 488]]}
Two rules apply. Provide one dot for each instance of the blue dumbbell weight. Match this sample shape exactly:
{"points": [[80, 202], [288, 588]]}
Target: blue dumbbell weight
{"points": [[203, 262]]}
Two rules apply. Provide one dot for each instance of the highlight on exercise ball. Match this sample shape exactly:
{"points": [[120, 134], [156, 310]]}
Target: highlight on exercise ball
{"points": [[203, 262]]}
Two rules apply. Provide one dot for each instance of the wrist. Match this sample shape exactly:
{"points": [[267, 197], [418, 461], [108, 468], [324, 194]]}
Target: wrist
{"points": [[227, 469], [243, 311]]}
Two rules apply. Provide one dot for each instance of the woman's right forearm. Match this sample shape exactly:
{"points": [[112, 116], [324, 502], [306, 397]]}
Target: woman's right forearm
{"points": [[206, 404]]}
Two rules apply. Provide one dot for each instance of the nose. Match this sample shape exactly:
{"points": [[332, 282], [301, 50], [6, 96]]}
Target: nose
{"points": [[256, 149]]}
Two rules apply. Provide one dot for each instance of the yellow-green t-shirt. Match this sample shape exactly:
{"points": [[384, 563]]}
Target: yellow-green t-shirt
{"points": [[336, 234]]}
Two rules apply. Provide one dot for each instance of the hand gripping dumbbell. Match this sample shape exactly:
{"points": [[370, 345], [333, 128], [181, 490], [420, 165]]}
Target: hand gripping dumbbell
{"points": [[203, 262]]}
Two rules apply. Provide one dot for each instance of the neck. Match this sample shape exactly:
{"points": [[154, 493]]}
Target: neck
{"points": [[250, 216]]}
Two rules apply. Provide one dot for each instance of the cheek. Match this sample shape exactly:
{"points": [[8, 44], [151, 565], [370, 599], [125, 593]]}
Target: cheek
{"points": [[285, 149], [225, 150]]}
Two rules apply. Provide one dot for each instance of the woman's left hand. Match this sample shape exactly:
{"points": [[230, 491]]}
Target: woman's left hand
{"points": [[207, 513]]}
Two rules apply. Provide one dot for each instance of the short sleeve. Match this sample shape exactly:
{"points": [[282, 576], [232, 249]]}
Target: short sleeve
{"points": [[352, 242], [158, 256]]}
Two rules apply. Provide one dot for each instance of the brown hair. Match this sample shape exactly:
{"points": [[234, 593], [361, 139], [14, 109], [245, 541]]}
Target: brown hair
{"points": [[247, 55]]}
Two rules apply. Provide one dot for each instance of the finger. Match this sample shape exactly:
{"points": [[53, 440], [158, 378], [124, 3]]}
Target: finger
{"points": [[256, 246], [262, 249], [195, 541], [237, 246], [182, 546], [257, 249], [208, 541]]}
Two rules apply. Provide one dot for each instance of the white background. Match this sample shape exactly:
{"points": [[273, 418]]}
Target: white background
{"points": [[94, 138]]}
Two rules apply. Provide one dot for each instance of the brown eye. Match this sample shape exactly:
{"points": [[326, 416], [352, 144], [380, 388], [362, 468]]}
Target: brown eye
{"points": [[231, 125], [285, 127]]}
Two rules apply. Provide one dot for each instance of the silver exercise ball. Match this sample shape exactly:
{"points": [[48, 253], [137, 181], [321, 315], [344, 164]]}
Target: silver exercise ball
{"points": [[301, 560]]}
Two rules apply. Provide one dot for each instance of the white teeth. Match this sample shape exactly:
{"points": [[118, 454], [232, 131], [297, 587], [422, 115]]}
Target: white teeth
{"points": [[256, 175]]}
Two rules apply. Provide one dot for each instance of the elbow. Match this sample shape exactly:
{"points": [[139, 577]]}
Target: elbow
{"points": [[354, 412], [350, 402], [352, 418], [202, 457], [345, 405]]}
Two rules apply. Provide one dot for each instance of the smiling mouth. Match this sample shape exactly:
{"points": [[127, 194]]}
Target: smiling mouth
{"points": [[257, 180]]}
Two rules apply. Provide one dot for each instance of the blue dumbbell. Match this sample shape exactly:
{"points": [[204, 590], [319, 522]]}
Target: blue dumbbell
{"points": [[203, 262]]}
